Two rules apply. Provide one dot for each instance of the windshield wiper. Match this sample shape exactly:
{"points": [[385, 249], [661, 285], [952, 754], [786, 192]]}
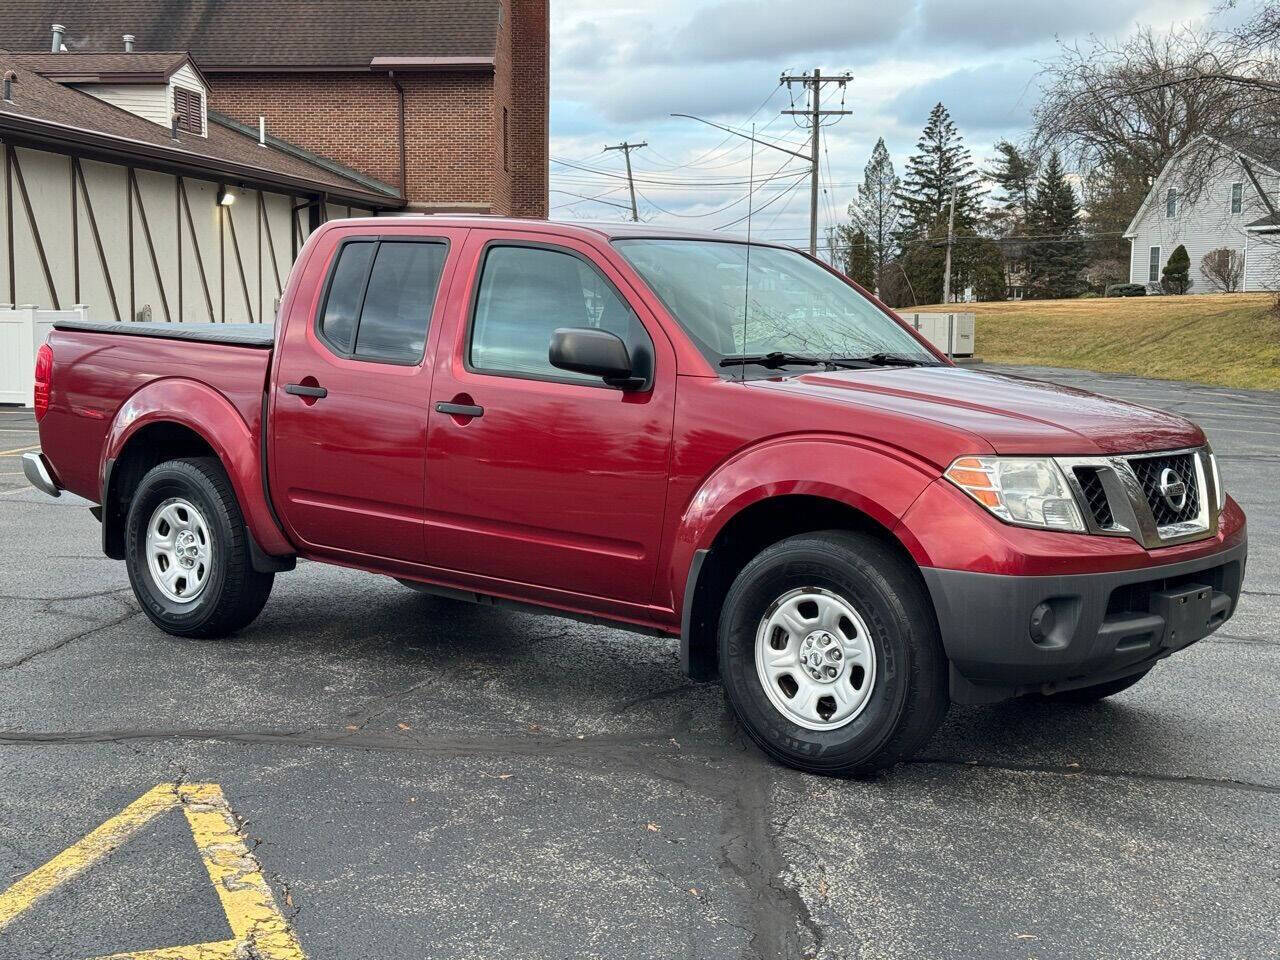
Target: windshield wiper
{"points": [[889, 360], [777, 358]]}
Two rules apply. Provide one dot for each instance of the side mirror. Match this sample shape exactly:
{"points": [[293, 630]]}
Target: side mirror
{"points": [[594, 352]]}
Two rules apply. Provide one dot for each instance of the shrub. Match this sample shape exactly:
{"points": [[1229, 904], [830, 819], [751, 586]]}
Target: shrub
{"points": [[1126, 290], [1223, 268], [1176, 275]]}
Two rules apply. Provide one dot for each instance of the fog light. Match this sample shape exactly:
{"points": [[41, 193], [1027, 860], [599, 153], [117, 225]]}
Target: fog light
{"points": [[1042, 622]]}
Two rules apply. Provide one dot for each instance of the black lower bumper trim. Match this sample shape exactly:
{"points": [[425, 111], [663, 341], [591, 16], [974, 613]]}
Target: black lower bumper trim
{"points": [[1090, 628]]}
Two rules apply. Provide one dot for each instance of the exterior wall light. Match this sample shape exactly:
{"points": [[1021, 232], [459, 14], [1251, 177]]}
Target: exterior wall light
{"points": [[225, 197]]}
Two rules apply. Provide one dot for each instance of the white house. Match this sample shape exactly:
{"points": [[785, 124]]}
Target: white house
{"points": [[1211, 196]]}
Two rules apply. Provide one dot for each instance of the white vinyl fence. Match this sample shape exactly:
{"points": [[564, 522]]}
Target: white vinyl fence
{"points": [[22, 330]]}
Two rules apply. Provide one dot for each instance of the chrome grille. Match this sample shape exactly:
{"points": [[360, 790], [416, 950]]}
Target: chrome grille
{"points": [[1095, 496], [1125, 496], [1150, 470]]}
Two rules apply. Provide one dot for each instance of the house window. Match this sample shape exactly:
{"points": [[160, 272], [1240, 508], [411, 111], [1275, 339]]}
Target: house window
{"points": [[1171, 203], [188, 107], [1153, 274], [506, 148], [1237, 197]]}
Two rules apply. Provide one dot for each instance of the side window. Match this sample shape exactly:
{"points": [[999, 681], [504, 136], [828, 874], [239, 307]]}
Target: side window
{"points": [[1171, 203], [1153, 273], [525, 294], [1237, 197], [346, 291], [380, 299], [398, 304]]}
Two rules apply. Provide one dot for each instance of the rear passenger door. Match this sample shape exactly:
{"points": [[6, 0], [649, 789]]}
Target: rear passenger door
{"points": [[349, 413], [546, 478]]}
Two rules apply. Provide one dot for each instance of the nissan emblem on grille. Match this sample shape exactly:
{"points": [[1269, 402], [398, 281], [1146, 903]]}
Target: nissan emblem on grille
{"points": [[1173, 489]]}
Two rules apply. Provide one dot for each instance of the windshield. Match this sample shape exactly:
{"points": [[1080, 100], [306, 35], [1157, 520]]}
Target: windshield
{"points": [[792, 305]]}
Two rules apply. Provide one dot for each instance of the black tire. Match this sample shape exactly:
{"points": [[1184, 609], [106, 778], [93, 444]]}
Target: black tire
{"points": [[233, 593], [909, 697], [1098, 691]]}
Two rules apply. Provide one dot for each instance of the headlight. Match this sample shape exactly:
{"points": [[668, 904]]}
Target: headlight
{"points": [[1217, 481], [1028, 491]]}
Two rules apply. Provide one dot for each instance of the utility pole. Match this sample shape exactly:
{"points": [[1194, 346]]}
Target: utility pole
{"points": [[814, 113], [626, 149], [951, 238]]}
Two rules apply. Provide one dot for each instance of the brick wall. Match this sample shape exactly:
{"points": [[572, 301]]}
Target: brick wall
{"points": [[530, 113], [454, 122]]}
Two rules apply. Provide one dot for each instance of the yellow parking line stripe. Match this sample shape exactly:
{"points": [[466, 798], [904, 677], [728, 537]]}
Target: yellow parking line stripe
{"points": [[83, 854], [17, 450], [258, 927]]}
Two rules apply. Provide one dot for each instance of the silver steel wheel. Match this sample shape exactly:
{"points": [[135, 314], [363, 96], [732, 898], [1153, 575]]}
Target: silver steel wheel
{"points": [[815, 659], [179, 550]]}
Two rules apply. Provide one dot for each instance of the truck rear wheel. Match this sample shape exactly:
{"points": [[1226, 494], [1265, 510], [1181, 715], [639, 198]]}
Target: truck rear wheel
{"points": [[830, 654], [187, 551]]}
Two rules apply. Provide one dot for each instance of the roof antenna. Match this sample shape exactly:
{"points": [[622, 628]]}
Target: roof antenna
{"points": [[746, 278]]}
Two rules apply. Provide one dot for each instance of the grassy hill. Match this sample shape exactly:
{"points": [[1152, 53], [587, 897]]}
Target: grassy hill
{"points": [[1229, 340]]}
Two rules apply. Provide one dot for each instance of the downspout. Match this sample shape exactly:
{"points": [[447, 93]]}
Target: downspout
{"points": [[404, 188]]}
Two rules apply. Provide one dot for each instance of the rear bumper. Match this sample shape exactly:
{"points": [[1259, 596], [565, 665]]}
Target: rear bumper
{"points": [[1098, 626], [36, 469]]}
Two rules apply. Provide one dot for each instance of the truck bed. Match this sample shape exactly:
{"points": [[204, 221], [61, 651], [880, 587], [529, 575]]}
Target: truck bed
{"points": [[259, 335], [98, 367]]}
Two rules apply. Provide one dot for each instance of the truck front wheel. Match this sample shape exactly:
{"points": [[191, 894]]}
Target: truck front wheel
{"points": [[187, 551], [830, 654]]}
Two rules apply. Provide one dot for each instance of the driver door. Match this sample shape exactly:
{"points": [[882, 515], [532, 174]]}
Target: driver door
{"points": [[553, 479]]}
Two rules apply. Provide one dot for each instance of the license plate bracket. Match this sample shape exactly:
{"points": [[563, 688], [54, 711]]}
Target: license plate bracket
{"points": [[1186, 611]]}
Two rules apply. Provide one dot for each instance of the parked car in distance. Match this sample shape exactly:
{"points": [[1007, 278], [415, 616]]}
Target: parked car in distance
{"points": [[679, 434]]}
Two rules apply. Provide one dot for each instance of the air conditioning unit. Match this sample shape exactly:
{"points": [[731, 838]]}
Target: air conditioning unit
{"points": [[952, 333]]}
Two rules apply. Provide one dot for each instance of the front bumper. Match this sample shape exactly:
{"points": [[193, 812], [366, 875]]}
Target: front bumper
{"points": [[1100, 626]]}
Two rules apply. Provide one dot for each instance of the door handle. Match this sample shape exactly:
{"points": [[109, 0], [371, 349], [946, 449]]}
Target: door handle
{"points": [[302, 390], [460, 409]]}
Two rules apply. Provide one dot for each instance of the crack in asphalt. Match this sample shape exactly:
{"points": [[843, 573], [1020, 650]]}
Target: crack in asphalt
{"points": [[53, 647], [637, 751], [70, 597], [1175, 779]]}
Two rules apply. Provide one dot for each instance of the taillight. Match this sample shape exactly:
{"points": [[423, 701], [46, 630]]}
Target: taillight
{"points": [[44, 380]]}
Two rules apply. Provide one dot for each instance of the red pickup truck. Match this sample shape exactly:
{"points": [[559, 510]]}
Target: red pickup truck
{"points": [[678, 434]]}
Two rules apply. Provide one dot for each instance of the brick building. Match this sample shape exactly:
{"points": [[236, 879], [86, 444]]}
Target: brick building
{"points": [[446, 100]]}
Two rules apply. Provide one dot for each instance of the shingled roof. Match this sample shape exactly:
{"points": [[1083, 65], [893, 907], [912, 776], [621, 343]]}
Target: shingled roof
{"points": [[155, 67], [263, 34], [47, 114]]}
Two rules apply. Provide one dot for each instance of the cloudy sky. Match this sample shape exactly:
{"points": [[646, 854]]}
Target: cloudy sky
{"points": [[620, 68]]}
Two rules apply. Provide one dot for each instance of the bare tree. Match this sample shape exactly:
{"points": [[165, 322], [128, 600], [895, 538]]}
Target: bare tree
{"points": [[1133, 104], [1223, 268]]}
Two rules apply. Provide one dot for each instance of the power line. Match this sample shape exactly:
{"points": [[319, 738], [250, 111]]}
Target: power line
{"points": [[768, 203], [582, 197], [776, 175]]}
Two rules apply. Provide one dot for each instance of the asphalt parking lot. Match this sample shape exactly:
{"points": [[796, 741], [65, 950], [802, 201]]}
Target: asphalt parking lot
{"points": [[406, 777]]}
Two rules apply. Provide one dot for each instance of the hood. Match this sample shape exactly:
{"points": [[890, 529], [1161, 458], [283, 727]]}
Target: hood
{"points": [[1012, 414]]}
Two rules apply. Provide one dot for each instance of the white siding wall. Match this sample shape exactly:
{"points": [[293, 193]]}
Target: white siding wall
{"points": [[1205, 224], [150, 101], [239, 290]]}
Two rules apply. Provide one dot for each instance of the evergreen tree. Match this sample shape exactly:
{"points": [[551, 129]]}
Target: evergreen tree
{"points": [[1056, 255], [1014, 172], [876, 210], [941, 161], [859, 257], [1176, 275]]}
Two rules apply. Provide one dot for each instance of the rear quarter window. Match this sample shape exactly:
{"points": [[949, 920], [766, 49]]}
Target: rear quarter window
{"points": [[380, 299]]}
